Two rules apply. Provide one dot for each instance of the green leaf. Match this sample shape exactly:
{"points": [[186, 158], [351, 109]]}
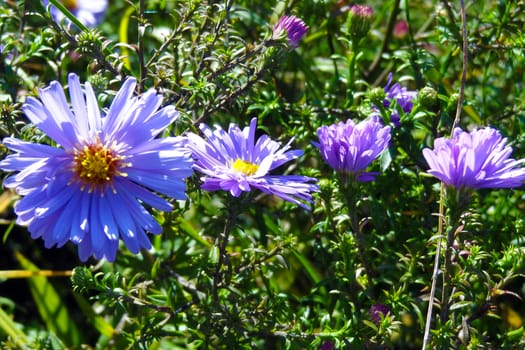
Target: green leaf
{"points": [[123, 36], [193, 233], [50, 306], [98, 321], [309, 269], [69, 15], [10, 328]]}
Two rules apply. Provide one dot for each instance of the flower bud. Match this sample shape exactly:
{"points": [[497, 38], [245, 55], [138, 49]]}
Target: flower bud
{"points": [[98, 81], [377, 95], [452, 102], [428, 98], [401, 29], [89, 41], [359, 21], [293, 27]]}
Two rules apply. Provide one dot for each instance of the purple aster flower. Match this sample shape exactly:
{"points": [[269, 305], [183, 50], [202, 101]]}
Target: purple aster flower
{"points": [[294, 28], [402, 96], [476, 159], [92, 187], [350, 147], [88, 12], [234, 161]]}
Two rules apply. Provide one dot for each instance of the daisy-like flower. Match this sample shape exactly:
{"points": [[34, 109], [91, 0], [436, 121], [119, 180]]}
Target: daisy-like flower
{"points": [[476, 159], [91, 189], [294, 28], [88, 12], [350, 147], [234, 161]]}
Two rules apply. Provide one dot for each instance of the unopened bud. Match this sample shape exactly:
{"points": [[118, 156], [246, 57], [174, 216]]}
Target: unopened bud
{"points": [[293, 27], [452, 102], [359, 21], [428, 98], [377, 95], [401, 29]]}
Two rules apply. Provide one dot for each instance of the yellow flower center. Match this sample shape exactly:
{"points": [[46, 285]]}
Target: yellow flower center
{"points": [[96, 165], [244, 167], [70, 4]]}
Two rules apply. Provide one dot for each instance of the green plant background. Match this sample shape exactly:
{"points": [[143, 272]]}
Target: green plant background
{"points": [[293, 278]]}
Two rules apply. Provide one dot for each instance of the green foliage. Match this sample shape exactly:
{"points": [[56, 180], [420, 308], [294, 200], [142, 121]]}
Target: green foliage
{"points": [[50, 306], [257, 272]]}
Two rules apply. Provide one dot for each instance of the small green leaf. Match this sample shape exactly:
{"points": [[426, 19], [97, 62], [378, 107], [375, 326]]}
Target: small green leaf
{"points": [[98, 321], [51, 308], [10, 328]]}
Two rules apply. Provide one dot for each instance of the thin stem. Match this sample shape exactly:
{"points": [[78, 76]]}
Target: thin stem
{"points": [[332, 51], [414, 59], [358, 234], [216, 31], [465, 65], [210, 108], [222, 243], [447, 273], [238, 61], [141, 29], [386, 41], [329, 212], [445, 307], [173, 34], [435, 273], [99, 50], [351, 73], [62, 8], [361, 251], [29, 274], [182, 97]]}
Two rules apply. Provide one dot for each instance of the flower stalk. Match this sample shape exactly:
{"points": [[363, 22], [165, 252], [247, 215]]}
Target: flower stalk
{"points": [[352, 198], [222, 244], [457, 202], [358, 24]]}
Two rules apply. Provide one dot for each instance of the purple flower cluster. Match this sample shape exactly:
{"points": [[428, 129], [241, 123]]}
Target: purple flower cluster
{"points": [[350, 147], [92, 188], [476, 159], [234, 161], [294, 28], [400, 95]]}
